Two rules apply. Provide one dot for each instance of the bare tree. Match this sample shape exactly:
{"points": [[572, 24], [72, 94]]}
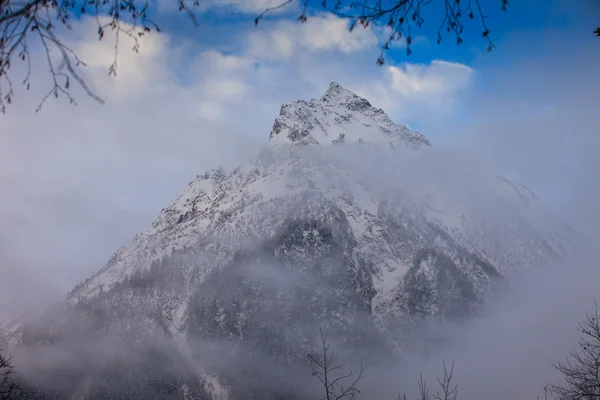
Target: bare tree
{"points": [[8, 387], [423, 389], [581, 369], [337, 382], [448, 390]]}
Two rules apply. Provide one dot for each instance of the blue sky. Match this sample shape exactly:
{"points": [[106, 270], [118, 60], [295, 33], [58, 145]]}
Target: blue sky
{"points": [[529, 30], [221, 24], [223, 27], [80, 181]]}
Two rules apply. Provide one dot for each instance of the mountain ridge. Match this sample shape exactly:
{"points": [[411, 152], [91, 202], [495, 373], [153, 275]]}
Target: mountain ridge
{"points": [[344, 220]]}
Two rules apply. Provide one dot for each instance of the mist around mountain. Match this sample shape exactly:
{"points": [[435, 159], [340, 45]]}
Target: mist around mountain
{"points": [[347, 223]]}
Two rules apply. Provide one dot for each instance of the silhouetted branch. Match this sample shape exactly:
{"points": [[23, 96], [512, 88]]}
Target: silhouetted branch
{"points": [[449, 392], [423, 390], [401, 16], [581, 369], [270, 9], [25, 22], [8, 387], [323, 368]]}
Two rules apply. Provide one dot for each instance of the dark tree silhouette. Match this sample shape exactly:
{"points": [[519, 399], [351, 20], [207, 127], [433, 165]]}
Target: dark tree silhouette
{"points": [[337, 383], [423, 390], [24, 23], [581, 369], [8, 387], [449, 391]]}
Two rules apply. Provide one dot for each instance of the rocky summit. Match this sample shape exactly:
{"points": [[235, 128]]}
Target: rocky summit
{"points": [[346, 222]]}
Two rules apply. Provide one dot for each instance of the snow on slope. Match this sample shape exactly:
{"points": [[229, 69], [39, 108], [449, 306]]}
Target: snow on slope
{"points": [[339, 116], [501, 223]]}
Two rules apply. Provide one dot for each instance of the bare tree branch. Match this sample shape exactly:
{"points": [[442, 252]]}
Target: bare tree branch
{"points": [[449, 392], [24, 23], [581, 369], [402, 16], [270, 9], [423, 390], [8, 388], [323, 367]]}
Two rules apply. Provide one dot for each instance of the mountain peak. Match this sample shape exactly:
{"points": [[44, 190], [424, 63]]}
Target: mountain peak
{"points": [[340, 116], [337, 95]]}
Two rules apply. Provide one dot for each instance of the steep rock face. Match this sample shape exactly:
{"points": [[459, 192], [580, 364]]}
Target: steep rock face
{"points": [[338, 117], [249, 265]]}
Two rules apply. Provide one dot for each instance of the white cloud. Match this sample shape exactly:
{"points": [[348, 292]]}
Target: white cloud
{"points": [[218, 62], [243, 6], [324, 33], [134, 70], [415, 91], [227, 89], [80, 181], [320, 33], [220, 77], [432, 80], [249, 6]]}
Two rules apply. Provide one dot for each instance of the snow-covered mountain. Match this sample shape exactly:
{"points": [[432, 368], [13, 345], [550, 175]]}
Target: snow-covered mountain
{"points": [[340, 116], [345, 221]]}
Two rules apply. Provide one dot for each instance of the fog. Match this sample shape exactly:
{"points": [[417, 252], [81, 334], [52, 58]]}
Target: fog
{"points": [[506, 351], [509, 352]]}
